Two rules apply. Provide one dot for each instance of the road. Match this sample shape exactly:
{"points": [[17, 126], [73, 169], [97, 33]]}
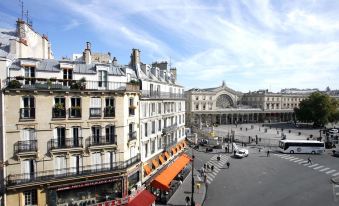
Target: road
{"points": [[275, 180]]}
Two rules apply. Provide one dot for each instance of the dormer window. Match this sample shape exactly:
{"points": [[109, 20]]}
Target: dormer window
{"points": [[29, 75], [102, 75], [67, 76]]}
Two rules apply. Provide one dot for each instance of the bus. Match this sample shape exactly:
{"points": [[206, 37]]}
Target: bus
{"points": [[301, 146]]}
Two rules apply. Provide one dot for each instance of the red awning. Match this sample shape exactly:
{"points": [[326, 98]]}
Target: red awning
{"points": [[144, 198]]}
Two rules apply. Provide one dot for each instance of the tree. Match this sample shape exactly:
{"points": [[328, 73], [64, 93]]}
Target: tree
{"points": [[318, 108]]}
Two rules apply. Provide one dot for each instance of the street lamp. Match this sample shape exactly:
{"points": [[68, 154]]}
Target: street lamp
{"points": [[192, 195]]}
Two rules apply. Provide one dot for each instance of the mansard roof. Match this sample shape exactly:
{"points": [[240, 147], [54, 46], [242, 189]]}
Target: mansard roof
{"points": [[51, 65]]}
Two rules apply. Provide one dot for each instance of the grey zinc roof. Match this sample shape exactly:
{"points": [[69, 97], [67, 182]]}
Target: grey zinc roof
{"points": [[5, 36], [52, 65]]}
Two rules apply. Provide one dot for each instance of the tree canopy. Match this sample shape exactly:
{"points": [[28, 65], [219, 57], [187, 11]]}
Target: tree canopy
{"points": [[318, 108]]}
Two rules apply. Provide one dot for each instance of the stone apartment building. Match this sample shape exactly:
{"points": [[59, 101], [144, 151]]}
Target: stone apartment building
{"points": [[162, 115], [71, 130]]}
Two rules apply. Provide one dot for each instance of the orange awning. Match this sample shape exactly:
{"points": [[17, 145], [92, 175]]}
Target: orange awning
{"points": [[162, 160], [173, 150], [185, 144], [163, 180], [155, 163], [147, 169], [178, 148], [167, 155]]}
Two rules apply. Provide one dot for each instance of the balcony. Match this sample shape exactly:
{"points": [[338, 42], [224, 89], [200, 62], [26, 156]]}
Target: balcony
{"points": [[28, 146], [132, 136], [66, 143], [24, 83], [109, 111], [161, 95], [102, 140], [95, 112], [75, 112], [80, 172], [58, 113], [169, 129], [27, 113]]}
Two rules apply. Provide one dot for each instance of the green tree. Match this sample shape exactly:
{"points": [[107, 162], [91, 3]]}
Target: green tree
{"points": [[318, 108]]}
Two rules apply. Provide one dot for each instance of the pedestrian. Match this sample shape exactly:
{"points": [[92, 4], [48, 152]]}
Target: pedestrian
{"points": [[259, 149], [212, 168], [198, 187], [205, 166], [234, 152], [226, 149], [187, 200], [205, 178], [208, 166], [228, 164], [309, 160], [218, 157], [268, 153], [202, 172]]}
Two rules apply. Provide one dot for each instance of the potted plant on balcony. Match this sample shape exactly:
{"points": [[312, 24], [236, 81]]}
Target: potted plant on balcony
{"points": [[59, 107], [132, 107], [135, 82], [79, 84], [14, 84]]}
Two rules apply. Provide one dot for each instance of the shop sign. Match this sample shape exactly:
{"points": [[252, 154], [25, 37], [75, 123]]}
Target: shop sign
{"points": [[86, 184]]}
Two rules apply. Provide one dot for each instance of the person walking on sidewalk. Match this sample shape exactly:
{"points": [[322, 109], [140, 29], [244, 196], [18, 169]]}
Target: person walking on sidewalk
{"points": [[268, 153], [205, 178], [228, 164], [187, 200], [212, 168], [309, 160]]}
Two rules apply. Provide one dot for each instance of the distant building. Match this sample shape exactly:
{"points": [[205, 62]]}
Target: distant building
{"points": [[223, 105]]}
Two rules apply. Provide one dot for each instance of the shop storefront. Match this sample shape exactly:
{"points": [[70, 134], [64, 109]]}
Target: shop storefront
{"points": [[89, 192]]}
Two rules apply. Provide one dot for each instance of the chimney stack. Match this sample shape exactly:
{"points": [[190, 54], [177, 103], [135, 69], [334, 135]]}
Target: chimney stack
{"points": [[115, 61], [135, 58], [87, 53], [174, 73]]}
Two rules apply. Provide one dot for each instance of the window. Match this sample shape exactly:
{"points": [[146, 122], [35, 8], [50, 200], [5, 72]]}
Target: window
{"points": [[76, 164], [146, 149], [60, 165], [197, 107], [159, 142], [75, 110], [110, 134], [109, 107], [60, 137], [196, 97], [146, 130], [95, 108], [68, 76], [152, 146], [109, 159], [159, 108], [59, 110], [179, 119], [96, 135], [131, 108], [77, 139], [96, 161], [28, 110], [153, 109], [132, 133], [102, 75], [28, 168], [153, 127], [159, 125], [29, 75], [31, 197]]}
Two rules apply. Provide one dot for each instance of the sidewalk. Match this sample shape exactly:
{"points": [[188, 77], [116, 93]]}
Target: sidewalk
{"points": [[178, 198]]}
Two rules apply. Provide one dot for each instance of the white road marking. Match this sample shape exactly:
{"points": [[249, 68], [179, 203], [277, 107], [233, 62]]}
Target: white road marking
{"points": [[294, 159], [331, 171], [336, 174], [303, 162], [287, 158], [336, 185], [209, 182], [323, 170], [217, 169], [210, 178], [313, 165], [299, 160], [316, 168]]}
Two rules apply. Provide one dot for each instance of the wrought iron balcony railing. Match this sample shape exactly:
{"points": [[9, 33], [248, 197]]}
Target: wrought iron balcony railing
{"points": [[161, 95], [64, 143], [75, 112], [79, 172], [58, 113], [102, 140], [109, 112], [95, 112], [26, 146]]}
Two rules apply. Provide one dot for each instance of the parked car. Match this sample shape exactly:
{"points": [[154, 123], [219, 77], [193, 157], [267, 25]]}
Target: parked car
{"points": [[335, 153]]}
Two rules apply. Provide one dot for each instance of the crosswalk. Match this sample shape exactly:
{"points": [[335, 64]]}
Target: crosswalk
{"points": [[320, 168], [217, 167]]}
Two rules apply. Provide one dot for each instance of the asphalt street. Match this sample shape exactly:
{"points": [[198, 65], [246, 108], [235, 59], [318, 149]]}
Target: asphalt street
{"points": [[281, 179]]}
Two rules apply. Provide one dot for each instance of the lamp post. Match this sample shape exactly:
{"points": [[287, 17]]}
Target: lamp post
{"points": [[192, 195]]}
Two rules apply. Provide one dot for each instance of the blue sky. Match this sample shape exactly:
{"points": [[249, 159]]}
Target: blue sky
{"points": [[251, 45]]}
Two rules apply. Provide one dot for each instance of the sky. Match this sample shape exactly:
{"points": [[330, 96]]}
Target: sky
{"points": [[249, 44]]}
